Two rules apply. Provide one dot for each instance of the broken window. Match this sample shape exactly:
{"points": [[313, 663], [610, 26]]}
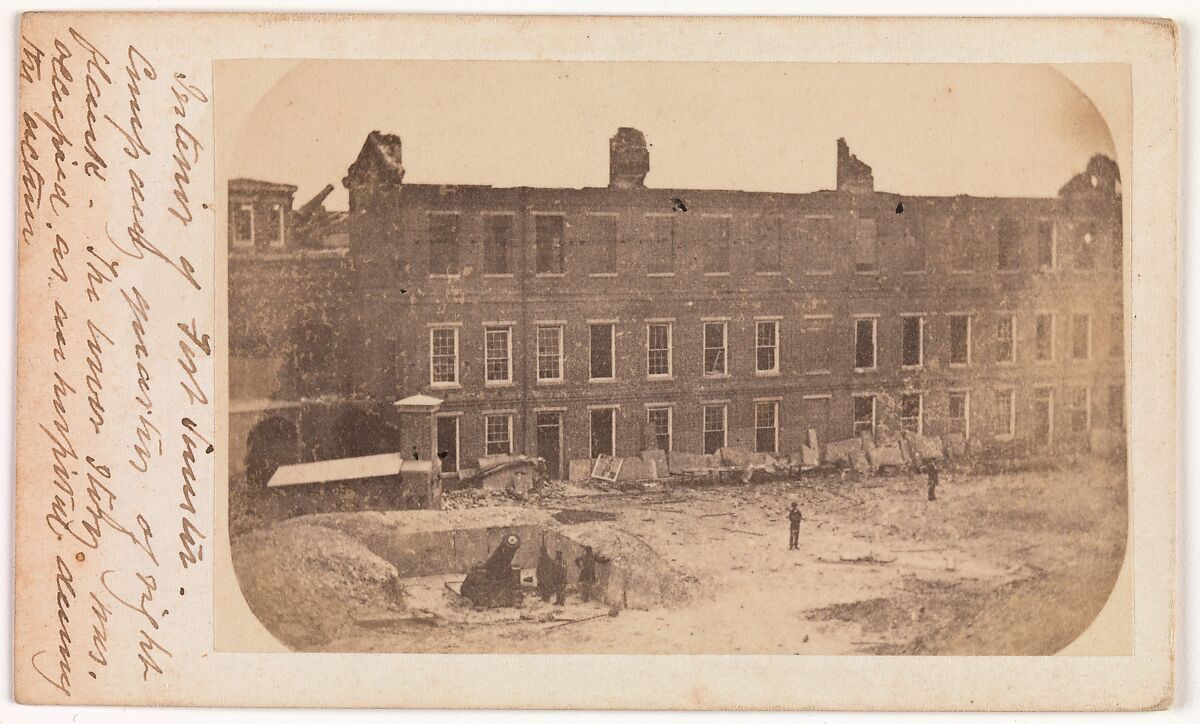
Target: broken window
{"points": [[960, 339], [1085, 255], [912, 342], [497, 354], [605, 256], [768, 244], [496, 244], [1044, 337], [714, 428], [962, 245], [766, 427], [1006, 338], [243, 226], [1079, 409], [715, 348], [660, 258], [443, 244], [818, 244], [1081, 337], [816, 347], [1116, 336], [548, 242], [958, 413], [766, 347], [658, 350], [1047, 244], [659, 421], [1008, 245], [864, 415], [498, 434], [717, 250], [602, 351], [866, 251], [1116, 406], [272, 229], [864, 344], [1006, 413], [603, 431], [549, 353], [911, 407], [443, 356]]}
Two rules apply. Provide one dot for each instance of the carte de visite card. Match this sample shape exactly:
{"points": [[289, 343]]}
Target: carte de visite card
{"points": [[659, 363]]}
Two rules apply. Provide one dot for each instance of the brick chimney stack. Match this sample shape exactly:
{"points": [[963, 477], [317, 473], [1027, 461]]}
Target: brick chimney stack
{"points": [[628, 159]]}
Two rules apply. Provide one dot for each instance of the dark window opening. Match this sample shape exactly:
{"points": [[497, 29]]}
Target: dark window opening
{"points": [[548, 240], [496, 245]]}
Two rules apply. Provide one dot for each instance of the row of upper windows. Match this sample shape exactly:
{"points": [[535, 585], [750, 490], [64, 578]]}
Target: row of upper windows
{"points": [[715, 342], [594, 243], [910, 410]]}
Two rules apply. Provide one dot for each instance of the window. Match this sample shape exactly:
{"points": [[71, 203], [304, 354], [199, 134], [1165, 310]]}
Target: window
{"points": [[272, 230], [914, 240], [658, 419], [717, 251], [497, 355], [1006, 338], [661, 256], [715, 349], [1079, 412], [604, 256], [766, 347], [498, 434], [443, 356], [443, 244], [1047, 245], [1005, 424], [768, 245], [715, 420], [962, 245], [658, 350], [864, 344], [602, 351], [1081, 337], [912, 405], [1116, 336], [1044, 337], [1085, 257], [498, 229], [958, 413], [1116, 406], [243, 226], [912, 341], [818, 244], [960, 339], [866, 251], [549, 353], [766, 427], [818, 331], [548, 242], [864, 415], [603, 431], [1008, 245]]}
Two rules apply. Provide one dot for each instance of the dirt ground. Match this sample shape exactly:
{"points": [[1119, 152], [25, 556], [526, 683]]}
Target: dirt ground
{"points": [[1014, 563]]}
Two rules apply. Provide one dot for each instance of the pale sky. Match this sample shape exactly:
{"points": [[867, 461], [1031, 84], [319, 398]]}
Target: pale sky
{"points": [[983, 130]]}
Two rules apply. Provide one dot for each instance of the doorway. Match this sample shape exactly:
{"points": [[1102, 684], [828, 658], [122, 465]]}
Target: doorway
{"points": [[549, 442], [447, 443]]}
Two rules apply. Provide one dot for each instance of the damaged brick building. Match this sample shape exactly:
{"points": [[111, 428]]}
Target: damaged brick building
{"points": [[570, 322]]}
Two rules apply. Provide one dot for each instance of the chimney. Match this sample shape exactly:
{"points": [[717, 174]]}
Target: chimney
{"points": [[628, 159], [417, 426], [852, 175]]}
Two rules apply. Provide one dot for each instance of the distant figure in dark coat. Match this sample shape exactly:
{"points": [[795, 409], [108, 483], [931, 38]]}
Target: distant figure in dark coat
{"points": [[587, 572], [560, 579], [794, 518], [931, 473], [546, 583]]}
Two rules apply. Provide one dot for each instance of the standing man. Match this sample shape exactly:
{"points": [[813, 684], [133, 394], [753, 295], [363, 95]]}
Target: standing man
{"points": [[931, 472], [587, 572], [794, 518], [546, 584], [560, 579]]}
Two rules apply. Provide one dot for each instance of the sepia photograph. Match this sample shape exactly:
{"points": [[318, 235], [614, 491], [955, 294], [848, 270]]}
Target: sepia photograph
{"points": [[662, 358]]}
